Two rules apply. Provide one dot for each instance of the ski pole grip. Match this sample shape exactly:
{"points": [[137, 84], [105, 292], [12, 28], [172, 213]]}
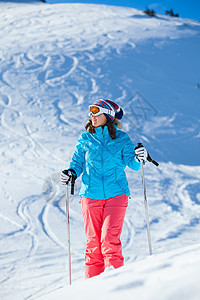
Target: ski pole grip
{"points": [[72, 184], [139, 145], [72, 188]]}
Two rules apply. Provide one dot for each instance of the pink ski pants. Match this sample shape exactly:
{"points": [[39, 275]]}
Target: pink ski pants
{"points": [[103, 221]]}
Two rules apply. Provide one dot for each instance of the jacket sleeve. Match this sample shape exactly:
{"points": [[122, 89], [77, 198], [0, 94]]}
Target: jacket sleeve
{"points": [[128, 155], [78, 158]]}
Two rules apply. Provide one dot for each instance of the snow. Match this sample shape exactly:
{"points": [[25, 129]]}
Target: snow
{"points": [[172, 275], [54, 61]]}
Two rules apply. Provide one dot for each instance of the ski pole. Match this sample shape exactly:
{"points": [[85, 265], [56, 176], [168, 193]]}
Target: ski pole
{"points": [[146, 209], [139, 145], [68, 229]]}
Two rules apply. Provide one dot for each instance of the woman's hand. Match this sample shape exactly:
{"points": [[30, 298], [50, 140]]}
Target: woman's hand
{"points": [[141, 154], [67, 176]]}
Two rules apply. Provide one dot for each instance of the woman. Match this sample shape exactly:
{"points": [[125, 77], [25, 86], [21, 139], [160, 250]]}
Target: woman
{"points": [[102, 153]]}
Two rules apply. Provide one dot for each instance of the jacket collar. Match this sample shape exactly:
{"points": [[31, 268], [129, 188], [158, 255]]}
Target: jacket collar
{"points": [[99, 131], [102, 133]]}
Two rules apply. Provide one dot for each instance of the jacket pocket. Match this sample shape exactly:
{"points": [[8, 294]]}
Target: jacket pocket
{"points": [[121, 179], [85, 183]]}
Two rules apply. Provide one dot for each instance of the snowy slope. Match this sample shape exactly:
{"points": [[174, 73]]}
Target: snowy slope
{"points": [[54, 61], [172, 275]]}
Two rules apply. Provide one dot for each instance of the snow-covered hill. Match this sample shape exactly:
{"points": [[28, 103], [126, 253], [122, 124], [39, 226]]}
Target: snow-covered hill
{"points": [[54, 61], [172, 275]]}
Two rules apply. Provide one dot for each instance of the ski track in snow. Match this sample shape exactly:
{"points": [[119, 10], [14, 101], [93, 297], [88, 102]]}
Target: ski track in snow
{"points": [[45, 89]]}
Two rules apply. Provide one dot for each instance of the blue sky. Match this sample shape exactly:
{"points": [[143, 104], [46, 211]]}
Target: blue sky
{"points": [[185, 8]]}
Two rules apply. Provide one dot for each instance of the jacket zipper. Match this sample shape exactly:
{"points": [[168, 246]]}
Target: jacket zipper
{"points": [[102, 165]]}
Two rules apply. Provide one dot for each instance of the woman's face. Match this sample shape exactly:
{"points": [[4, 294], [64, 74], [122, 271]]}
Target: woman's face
{"points": [[98, 120]]}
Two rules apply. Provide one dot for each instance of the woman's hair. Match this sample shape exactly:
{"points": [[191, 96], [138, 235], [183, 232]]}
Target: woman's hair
{"points": [[111, 128]]}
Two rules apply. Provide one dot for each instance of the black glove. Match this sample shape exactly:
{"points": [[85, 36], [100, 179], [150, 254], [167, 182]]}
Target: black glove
{"points": [[67, 176]]}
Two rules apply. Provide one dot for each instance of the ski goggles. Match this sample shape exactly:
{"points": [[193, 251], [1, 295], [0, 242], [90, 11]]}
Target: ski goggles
{"points": [[97, 110]]}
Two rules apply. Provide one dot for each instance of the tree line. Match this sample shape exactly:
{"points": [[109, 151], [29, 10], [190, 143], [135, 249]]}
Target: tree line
{"points": [[151, 12]]}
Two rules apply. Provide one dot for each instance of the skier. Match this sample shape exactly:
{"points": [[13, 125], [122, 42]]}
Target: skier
{"points": [[102, 153]]}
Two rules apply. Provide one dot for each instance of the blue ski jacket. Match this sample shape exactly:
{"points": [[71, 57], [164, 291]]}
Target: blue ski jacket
{"points": [[102, 160]]}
